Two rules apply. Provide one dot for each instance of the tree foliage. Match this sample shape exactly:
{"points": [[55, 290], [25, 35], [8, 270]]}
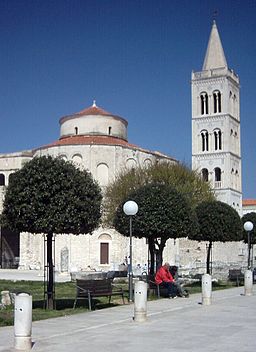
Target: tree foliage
{"points": [[250, 217], [187, 182], [49, 195], [163, 213], [218, 222]]}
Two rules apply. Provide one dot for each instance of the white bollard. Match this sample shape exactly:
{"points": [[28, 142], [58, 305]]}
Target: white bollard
{"points": [[206, 289], [140, 301], [23, 322], [248, 283]]}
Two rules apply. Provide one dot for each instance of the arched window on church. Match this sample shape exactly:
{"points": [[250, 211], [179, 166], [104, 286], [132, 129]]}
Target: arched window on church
{"points": [[217, 173], [76, 130], [217, 139], [204, 103], [205, 140], [216, 101], [205, 175], [2, 180]]}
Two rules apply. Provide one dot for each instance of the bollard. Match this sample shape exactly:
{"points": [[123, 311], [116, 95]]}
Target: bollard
{"points": [[206, 289], [140, 301], [248, 283], [23, 322]]}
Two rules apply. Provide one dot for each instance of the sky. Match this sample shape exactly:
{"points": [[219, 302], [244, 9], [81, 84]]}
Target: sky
{"points": [[135, 57]]}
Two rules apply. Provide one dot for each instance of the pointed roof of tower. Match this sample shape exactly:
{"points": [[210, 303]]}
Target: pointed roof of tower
{"points": [[215, 57]]}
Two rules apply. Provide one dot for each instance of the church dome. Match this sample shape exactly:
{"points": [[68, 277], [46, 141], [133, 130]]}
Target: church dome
{"points": [[93, 121]]}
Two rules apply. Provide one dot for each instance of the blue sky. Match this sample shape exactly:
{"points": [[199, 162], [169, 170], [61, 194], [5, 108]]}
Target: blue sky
{"points": [[134, 57]]}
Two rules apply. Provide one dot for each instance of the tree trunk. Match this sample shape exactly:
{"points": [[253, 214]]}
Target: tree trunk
{"points": [[208, 269], [50, 282], [151, 247], [156, 254]]}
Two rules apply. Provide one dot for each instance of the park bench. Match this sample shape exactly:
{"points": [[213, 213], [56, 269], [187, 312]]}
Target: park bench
{"points": [[236, 275], [90, 289]]}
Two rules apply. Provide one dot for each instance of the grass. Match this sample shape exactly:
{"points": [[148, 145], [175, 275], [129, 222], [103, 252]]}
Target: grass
{"points": [[65, 296]]}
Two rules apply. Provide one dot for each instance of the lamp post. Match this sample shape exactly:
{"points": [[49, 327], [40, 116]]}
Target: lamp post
{"points": [[130, 208], [248, 281], [248, 226]]}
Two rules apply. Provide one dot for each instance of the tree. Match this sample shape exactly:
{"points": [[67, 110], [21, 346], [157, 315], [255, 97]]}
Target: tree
{"points": [[186, 181], [250, 217], [163, 213], [218, 222], [51, 196]]}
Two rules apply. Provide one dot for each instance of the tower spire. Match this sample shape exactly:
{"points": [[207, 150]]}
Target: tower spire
{"points": [[215, 57]]}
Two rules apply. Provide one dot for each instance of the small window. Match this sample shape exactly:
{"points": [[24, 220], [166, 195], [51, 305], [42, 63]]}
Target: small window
{"points": [[109, 130], [217, 171], [205, 140], [104, 253], [76, 130], [217, 140], [204, 103], [205, 175], [2, 180], [216, 101]]}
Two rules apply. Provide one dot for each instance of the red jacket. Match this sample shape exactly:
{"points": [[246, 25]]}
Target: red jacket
{"points": [[163, 275]]}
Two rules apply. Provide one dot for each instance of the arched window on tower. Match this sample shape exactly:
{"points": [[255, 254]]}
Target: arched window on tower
{"points": [[216, 101], [204, 103], [205, 175], [2, 180], [205, 140], [217, 173], [76, 130], [217, 139]]}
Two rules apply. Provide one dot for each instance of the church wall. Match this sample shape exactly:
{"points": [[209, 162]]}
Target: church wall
{"points": [[94, 125]]}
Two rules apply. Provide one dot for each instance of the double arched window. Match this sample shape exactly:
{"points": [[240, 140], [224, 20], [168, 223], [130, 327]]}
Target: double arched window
{"points": [[205, 175], [213, 139], [216, 101], [204, 103], [210, 103], [205, 140], [2, 180], [217, 176], [217, 139]]}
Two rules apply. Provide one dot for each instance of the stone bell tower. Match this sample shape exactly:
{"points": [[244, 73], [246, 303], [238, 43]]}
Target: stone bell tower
{"points": [[216, 151]]}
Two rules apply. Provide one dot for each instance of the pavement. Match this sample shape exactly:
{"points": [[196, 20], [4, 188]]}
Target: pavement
{"points": [[33, 275], [181, 324]]}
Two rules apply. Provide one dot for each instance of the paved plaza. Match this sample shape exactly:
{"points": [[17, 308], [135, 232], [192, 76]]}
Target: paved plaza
{"points": [[183, 324]]}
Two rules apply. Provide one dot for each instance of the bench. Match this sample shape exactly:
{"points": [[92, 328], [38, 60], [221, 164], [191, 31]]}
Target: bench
{"points": [[89, 289], [157, 289], [236, 275]]}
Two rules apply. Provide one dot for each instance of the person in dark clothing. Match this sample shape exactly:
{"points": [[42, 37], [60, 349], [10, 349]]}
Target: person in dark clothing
{"points": [[180, 290]]}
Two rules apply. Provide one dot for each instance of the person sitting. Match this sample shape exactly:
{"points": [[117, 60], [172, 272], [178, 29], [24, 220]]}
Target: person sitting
{"points": [[164, 277], [180, 290]]}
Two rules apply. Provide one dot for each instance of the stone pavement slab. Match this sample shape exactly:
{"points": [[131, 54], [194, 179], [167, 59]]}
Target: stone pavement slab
{"points": [[33, 275], [228, 324]]}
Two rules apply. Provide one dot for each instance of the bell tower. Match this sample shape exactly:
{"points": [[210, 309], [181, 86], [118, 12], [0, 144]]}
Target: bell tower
{"points": [[216, 151]]}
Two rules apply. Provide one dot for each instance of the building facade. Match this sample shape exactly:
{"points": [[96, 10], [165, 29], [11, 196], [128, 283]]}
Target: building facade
{"points": [[216, 150], [95, 140]]}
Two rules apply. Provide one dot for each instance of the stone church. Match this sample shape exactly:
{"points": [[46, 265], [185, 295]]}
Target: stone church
{"points": [[96, 140]]}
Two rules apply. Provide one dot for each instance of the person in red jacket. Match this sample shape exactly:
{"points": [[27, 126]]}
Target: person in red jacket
{"points": [[163, 276]]}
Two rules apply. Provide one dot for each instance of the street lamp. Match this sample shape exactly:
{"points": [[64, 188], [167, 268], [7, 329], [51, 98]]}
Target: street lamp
{"points": [[130, 208], [248, 226]]}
